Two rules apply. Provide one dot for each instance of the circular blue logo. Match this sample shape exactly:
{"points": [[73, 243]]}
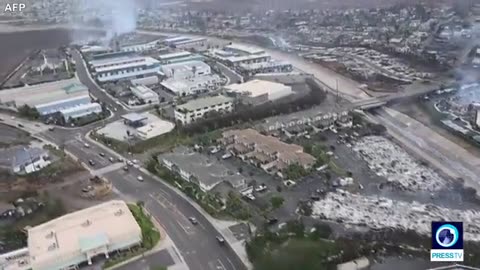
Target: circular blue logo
{"points": [[446, 236]]}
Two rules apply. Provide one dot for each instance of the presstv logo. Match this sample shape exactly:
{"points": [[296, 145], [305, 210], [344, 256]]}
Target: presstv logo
{"points": [[447, 242]]}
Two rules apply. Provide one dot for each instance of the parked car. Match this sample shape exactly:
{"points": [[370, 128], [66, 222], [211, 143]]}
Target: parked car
{"points": [[220, 240], [261, 187], [125, 168], [140, 178], [227, 155], [111, 159], [20, 125], [86, 145], [102, 154], [91, 162]]}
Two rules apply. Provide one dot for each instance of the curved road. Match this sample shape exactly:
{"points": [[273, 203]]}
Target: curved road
{"points": [[196, 244]]}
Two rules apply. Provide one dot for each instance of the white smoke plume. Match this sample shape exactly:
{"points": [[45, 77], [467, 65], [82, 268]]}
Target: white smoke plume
{"points": [[115, 16]]}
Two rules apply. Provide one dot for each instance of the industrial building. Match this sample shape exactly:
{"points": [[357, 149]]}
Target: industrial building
{"points": [[271, 66], [184, 42], [145, 94], [200, 169], [258, 91], [125, 67], [185, 70], [76, 238], [150, 80], [140, 47], [178, 57], [68, 97], [192, 85], [235, 61], [196, 109], [244, 49], [80, 111], [267, 152]]}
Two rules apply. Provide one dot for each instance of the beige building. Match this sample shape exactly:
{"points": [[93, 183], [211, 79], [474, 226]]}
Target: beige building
{"points": [[197, 108], [267, 152], [67, 241]]}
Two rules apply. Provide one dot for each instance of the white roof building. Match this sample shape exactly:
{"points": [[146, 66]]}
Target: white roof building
{"points": [[257, 88], [153, 129], [145, 94], [77, 237], [36, 95], [192, 85], [186, 70], [239, 48]]}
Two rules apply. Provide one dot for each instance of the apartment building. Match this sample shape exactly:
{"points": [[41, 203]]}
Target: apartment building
{"points": [[196, 109], [266, 152]]}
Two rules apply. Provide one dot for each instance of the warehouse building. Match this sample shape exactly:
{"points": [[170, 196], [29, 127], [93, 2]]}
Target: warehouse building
{"points": [[141, 47], [265, 67], [185, 70], [244, 49], [76, 238], [258, 91], [125, 67], [193, 85], [236, 61], [200, 169], [145, 94], [197, 108], [178, 57], [66, 96], [185, 42], [81, 110]]}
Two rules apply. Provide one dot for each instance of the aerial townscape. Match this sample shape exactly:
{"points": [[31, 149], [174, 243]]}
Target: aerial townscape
{"points": [[235, 135]]}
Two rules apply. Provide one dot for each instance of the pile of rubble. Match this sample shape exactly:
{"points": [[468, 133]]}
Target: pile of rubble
{"points": [[380, 213], [389, 160]]}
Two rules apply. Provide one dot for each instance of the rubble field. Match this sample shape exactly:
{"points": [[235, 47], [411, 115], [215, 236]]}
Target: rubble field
{"points": [[401, 170], [381, 213]]}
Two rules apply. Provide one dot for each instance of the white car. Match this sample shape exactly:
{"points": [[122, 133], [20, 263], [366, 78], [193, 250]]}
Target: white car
{"points": [[261, 187], [86, 145], [140, 178], [227, 155]]}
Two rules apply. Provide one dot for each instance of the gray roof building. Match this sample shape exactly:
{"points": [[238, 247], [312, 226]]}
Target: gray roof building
{"points": [[201, 169]]}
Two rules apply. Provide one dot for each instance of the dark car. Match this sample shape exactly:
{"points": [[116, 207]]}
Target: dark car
{"points": [[91, 162], [20, 125], [272, 220], [193, 220], [102, 154]]}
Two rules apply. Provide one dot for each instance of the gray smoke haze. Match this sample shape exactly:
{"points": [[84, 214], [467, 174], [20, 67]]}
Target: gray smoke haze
{"points": [[115, 16]]}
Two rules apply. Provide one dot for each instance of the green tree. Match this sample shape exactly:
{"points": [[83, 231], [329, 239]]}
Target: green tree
{"points": [[276, 201]]}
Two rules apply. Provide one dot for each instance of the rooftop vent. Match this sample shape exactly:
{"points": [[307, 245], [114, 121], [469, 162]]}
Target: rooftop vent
{"points": [[86, 223], [52, 247], [50, 235]]}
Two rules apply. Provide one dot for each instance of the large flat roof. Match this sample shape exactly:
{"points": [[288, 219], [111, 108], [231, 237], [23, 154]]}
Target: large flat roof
{"points": [[176, 86], [245, 48], [134, 117], [235, 59], [204, 102], [256, 88], [62, 239], [33, 95], [174, 55], [129, 63]]}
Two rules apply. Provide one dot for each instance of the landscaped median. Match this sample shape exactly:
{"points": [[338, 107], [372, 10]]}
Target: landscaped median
{"points": [[150, 237]]}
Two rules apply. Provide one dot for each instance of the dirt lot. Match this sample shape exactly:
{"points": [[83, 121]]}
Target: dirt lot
{"points": [[16, 46]]}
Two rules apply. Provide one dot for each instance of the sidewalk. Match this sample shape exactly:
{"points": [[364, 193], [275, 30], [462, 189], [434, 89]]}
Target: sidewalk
{"points": [[220, 225]]}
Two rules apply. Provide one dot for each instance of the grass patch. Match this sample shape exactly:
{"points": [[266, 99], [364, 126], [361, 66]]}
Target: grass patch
{"points": [[150, 237]]}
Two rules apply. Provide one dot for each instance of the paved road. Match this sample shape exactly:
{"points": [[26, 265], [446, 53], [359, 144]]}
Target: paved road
{"points": [[85, 78], [197, 244]]}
